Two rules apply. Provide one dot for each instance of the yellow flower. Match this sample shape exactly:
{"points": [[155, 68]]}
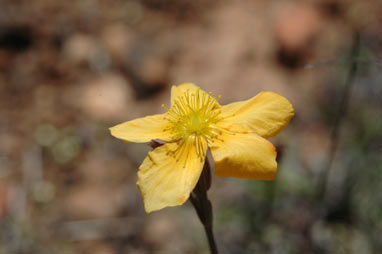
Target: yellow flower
{"points": [[235, 134]]}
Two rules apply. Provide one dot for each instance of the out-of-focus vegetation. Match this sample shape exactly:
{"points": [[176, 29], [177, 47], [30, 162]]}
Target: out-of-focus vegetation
{"points": [[71, 69]]}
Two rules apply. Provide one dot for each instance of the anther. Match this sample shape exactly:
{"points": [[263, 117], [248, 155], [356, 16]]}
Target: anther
{"points": [[163, 106]]}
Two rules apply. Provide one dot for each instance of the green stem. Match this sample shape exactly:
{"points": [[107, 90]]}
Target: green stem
{"points": [[203, 206]]}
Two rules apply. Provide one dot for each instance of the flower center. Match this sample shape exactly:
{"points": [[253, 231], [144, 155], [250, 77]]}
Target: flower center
{"points": [[193, 115], [196, 123]]}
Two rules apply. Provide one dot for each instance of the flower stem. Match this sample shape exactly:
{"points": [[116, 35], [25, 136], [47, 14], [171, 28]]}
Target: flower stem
{"points": [[203, 206]]}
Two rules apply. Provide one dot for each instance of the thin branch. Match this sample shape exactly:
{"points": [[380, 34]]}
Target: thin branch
{"points": [[342, 110], [344, 61]]}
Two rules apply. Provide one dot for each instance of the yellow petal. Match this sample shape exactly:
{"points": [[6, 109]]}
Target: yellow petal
{"points": [[244, 156], [265, 114], [143, 129], [177, 91], [170, 172]]}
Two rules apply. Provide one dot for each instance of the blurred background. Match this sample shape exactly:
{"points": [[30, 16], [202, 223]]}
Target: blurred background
{"points": [[71, 69]]}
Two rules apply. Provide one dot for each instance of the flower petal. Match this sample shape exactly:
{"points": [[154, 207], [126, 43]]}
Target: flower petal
{"points": [[177, 91], [143, 129], [170, 172], [244, 156], [265, 114]]}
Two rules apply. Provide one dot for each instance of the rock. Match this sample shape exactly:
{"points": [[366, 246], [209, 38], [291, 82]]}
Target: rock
{"points": [[93, 201], [297, 25], [106, 97], [79, 48], [116, 38]]}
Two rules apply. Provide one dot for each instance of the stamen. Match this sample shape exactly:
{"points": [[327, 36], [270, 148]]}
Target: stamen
{"points": [[163, 106], [193, 116]]}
